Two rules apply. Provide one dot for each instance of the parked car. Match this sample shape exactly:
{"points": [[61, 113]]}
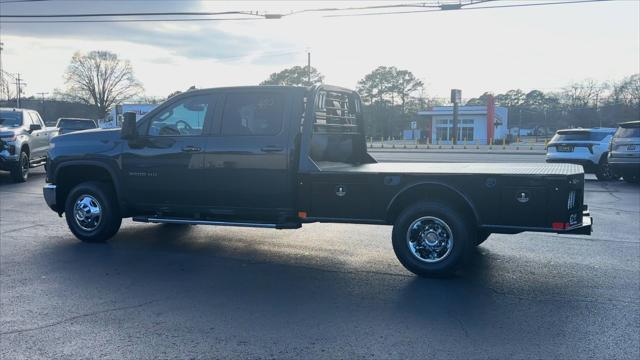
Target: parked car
{"points": [[586, 147], [282, 156], [24, 141], [624, 153], [68, 125]]}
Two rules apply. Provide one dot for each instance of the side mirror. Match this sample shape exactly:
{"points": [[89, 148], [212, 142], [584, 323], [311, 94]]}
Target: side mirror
{"points": [[129, 129], [33, 127]]}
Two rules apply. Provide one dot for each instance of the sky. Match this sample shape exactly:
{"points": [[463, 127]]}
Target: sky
{"points": [[494, 50]]}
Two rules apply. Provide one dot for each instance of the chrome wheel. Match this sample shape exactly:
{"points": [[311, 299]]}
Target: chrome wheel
{"points": [[430, 239], [87, 212]]}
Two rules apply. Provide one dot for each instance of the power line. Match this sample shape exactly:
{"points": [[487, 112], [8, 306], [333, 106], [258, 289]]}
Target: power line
{"points": [[435, 7], [474, 8], [171, 13], [123, 20]]}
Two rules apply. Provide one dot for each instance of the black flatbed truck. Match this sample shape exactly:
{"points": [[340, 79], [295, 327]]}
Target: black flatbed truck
{"points": [[281, 156]]}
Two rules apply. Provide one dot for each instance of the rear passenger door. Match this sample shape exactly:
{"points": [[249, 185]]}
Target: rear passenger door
{"points": [[247, 160]]}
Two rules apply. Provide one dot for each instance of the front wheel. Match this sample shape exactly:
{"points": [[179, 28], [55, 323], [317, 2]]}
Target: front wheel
{"points": [[432, 239], [92, 212], [632, 178], [20, 172]]}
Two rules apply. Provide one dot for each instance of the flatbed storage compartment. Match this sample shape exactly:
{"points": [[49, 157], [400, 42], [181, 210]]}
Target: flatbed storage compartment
{"points": [[506, 197]]}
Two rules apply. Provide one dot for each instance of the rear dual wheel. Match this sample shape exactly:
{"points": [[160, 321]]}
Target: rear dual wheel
{"points": [[433, 239]]}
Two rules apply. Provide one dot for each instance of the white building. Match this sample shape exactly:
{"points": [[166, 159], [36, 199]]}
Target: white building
{"points": [[476, 125]]}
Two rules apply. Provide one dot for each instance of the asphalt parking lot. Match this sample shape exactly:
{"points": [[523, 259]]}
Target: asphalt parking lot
{"points": [[324, 291]]}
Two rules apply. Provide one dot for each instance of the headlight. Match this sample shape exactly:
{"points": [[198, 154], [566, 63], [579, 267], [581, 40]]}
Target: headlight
{"points": [[9, 137]]}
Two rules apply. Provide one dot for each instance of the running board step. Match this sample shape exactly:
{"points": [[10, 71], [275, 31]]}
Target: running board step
{"points": [[37, 163], [170, 220]]}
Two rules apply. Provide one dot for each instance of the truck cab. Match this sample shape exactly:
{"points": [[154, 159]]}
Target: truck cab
{"points": [[281, 156]]}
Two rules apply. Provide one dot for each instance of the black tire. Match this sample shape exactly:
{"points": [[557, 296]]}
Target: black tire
{"points": [[604, 171], [94, 195], [482, 237], [632, 179], [462, 234], [20, 172]]}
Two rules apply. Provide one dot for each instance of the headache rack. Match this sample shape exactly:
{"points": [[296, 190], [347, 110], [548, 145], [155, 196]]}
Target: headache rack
{"points": [[335, 113]]}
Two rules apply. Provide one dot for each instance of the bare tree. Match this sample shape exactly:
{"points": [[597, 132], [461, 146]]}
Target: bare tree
{"points": [[99, 78], [626, 91], [5, 87], [583, 94], [405, 84]]}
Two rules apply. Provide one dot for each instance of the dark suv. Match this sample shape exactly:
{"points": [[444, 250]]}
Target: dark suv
{"points": [[624, 152]]}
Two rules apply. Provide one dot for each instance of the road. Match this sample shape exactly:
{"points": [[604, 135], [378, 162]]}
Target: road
{"points": [[324, 291]]}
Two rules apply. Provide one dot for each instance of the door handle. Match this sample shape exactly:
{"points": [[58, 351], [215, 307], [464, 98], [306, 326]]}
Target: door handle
{"points": [[191, 148], [271, 148]]}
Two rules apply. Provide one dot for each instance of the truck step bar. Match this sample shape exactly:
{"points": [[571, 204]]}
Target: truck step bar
{"points": [[170, 220], [38, 162]]}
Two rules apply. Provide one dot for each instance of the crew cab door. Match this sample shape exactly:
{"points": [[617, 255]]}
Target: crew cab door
{"points": [[163, 167], [247, 161], [39, 138]]}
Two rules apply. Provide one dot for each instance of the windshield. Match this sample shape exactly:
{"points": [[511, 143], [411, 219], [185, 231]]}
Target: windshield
{"points": [[10, 118], [76, 124], [628, 132], [579, 136]]}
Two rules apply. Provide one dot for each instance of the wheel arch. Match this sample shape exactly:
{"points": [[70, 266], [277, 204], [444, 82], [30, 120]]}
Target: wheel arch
{"points": [[604, 156], [67, 175], [431, 191], [26, 148]]}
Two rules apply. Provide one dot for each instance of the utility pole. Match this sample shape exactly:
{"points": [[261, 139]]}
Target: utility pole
{"points": [[19, 84], [4, 84], [456, 97], [309, 67], [44, 112]]}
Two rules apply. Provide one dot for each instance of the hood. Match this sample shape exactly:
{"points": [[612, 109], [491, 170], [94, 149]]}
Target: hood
{"points": [[8, 131], [97, 134]]}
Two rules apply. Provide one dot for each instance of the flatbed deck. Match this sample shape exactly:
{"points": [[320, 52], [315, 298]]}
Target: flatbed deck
{"points": [[455, 168]]}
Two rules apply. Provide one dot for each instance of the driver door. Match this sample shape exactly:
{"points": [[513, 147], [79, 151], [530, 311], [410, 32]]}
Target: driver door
{"points": [[163, 168]]}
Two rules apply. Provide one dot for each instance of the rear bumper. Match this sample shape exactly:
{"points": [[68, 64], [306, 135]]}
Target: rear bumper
{"points": [[588, 165], [630, 163], [584, 228], [49, 192]]}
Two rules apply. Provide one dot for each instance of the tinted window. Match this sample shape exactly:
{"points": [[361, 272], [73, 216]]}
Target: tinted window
{"points": [[76, 124], [253, 114], [10, 118], [628, 132], [183, 118], [579, 136]]}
